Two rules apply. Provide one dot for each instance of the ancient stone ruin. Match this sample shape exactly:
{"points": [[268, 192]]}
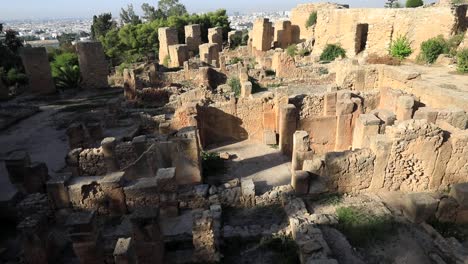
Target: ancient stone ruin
{"points": [[247, 155]]}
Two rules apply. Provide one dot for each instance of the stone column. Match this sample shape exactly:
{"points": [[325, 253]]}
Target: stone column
{"points": [[208, 53], [262, 34], [246, 89], [193, 37], [329, 104], [381, 147], [167, 188], [344, 132], [124, 252], [300, 181], [93, 65], [215, 36], [248, 192], [85, 237], [73, 161], [146, 235], [143, 168], [283, 34], [37, 67], [301, 150], [287, 127], [186, 156], [179, 54], [367, 126], [167, 37], [404, 107], [112, 187], [108, 148], [57, 191], [130, 85]]}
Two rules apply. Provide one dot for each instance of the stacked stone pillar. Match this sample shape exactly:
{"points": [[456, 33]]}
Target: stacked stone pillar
{"points": [[404, 108], [167, 37], [37, 67], [186, 156], [301, 152], [85, 237], [179, 54], [283, 34], [93, 65], [167, 188], [193, 37], [57, 191], [108, 148], [130, 84], [209, 53], [262, 34], [215, 36], [287, 127], [146, 236]]}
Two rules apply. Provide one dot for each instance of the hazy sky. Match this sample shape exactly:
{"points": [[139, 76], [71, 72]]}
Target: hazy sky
{"points": [[21, 9]]}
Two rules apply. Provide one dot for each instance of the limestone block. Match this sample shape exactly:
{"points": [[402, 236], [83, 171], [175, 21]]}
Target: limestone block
{"points": [[178, 55], [208, 53], [269, 137], [246, 89], [193, 37], [37, 67], [460, 193], [301, 141], [262, 34], [167, 37], [387, 116], [367, 126], [108, 148], [404, 109], [344, 107], [93, 65], [419, 207], [287, 127], [269, 120], [330, 104], [300, 181], [447, 210], [248, 192], [168, 205], [283, 35], [313, 166], [142, 193], [215, 36], [166, 180], [427, 113], [344, 132], [381, 146], [57, 191], [456, 117], [124, 252]]}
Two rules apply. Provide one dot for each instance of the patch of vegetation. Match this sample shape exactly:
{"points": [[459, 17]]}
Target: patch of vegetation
{"points": [[285, 246], [323, 71], [166, 61], [362, 228], [387, 60], [66, 71], [235, 84], [212, 163], [291, 50], [459, 2], [270, 73], [462, 61], [235, 60], [274, 146], [400, 48], [330, 199], [14, 76], [312, 20], [331, 52], [446, 229], [303, 52], [414, 3], [432, 48]]}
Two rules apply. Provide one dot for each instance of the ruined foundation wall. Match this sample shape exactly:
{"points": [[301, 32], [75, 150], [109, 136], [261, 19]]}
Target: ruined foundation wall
{"points": [[340, 26], [93, 65]]}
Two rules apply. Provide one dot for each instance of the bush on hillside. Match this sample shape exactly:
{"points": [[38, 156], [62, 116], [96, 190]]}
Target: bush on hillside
{"points": [[462, 61], [432, 48], [400, 48], [414, 3], [311, 20], [331, 52]]}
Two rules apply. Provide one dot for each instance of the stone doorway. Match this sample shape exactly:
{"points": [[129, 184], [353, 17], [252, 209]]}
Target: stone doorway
{"points": [[361, 37]]}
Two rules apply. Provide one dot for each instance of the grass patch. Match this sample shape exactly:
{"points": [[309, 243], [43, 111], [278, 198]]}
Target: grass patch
{"points": [[235, 84], [285, 246], [363, 228], [212, 163], [330, 199], [331, 52]]}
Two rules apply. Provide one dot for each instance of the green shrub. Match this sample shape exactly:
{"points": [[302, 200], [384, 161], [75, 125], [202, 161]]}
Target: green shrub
{"points": [[362, 228], [61, 60], [212, 163], [462, 61], [68, 77], [166, 61], [311, 20], [235, 84], [291, 50], [454, 42], [235, 60], [13, 76], [331, 52], [414, 3], [400, 48], [432, 48]]}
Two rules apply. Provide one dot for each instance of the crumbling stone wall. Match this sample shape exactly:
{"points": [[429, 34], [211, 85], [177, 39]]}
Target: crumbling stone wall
{"points": [[193, 37], [167, 37], [385, 25], [93, 65], [262, 34], [37, 67]]}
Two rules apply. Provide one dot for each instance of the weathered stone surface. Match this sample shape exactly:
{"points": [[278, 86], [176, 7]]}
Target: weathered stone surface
{"points": [[93, 65], [287, 127], [178, 54], [460, 193], [166, 180], [37, 67], [367, 126], [262, 34], [215, 36], [167, 37], [419, 207], [300, 182], [193, 37], [208, 53]]}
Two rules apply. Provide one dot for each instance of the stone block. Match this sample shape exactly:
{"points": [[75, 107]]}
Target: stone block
{"points": [[166, 180], [301, 141], [193, 37], [246, 89], [168, 205], [344, 107], [81, 222], [37, 67], [287, 127], [208, 53], [269, 120], [330, 104], [426, 113], [404, 108], [124, 252], [313, 166], [460, 193], [57, 191], [269, 137], [167, 37], [262, 34], [215, 36], [367, 126], [300, 182], [142, 193], [344, 132], [93, 65], [419, 207], [178, 54]]}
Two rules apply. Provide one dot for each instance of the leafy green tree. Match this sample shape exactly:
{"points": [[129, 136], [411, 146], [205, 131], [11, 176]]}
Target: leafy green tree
{"points": [[150, 13], [12, 41], [462, 61], [101, 25], [172, 8], [392, 4], [65, 41], [128, 16], [414, 3]]}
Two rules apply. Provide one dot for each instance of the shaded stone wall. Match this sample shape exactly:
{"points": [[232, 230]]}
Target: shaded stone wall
{"points": [[37, 66], [193, 37], [93, 65], [262, 34], [167, 36], [340, 26]]}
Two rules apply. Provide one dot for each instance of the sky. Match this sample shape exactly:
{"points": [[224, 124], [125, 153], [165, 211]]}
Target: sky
{"points": [[36, 9]]}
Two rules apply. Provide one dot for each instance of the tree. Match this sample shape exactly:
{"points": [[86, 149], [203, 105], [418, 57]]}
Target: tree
{"points": [[172, 8], [101, 25], [414, 3], [12, 41], [392, 4], [150, 13], [128, 16]]}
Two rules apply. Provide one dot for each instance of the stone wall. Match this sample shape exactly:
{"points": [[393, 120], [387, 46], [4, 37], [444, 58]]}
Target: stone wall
{"points": [[37, 67], [193, 37], [167, 37], [384, 25], [262, 34], [93, 65]]}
